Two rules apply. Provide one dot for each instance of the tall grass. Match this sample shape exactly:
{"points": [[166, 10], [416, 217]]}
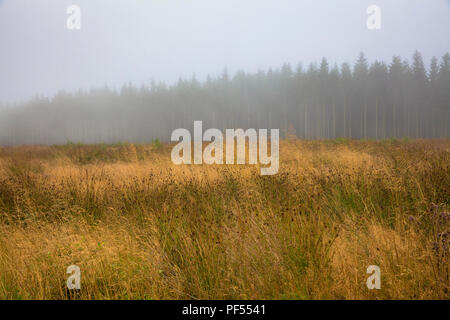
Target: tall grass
{"points": [[140, 227]]}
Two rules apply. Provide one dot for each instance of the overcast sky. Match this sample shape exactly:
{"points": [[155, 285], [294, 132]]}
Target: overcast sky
{"points": [[139, 41]]}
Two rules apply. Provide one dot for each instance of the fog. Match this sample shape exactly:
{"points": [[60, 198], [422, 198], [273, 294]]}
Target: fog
{"points": [[139, 41], [138, 69]]}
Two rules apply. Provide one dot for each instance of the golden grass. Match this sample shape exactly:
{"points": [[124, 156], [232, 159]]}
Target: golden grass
{"points": [[140, 227]]}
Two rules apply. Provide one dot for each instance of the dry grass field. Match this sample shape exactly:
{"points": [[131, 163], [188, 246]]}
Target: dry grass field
{"points": [[140, 227]]}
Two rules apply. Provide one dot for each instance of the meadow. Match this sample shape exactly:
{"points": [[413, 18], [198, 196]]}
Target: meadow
{"points": [[140, 227]]}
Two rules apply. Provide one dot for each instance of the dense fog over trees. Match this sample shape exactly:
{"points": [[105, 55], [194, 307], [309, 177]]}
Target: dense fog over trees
{"points": [[398, 98]]}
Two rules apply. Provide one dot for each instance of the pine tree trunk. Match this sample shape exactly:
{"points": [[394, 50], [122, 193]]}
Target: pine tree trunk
{"points": [[376, 119], [306, 121], [345, 119], [365, 120], [334, 121]]}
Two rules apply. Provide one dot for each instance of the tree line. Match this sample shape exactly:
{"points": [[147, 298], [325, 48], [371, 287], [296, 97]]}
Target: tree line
{"points": [[377, 101]]}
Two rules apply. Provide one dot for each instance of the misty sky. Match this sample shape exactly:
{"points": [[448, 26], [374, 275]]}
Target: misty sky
{"points": [[139, 41]]}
